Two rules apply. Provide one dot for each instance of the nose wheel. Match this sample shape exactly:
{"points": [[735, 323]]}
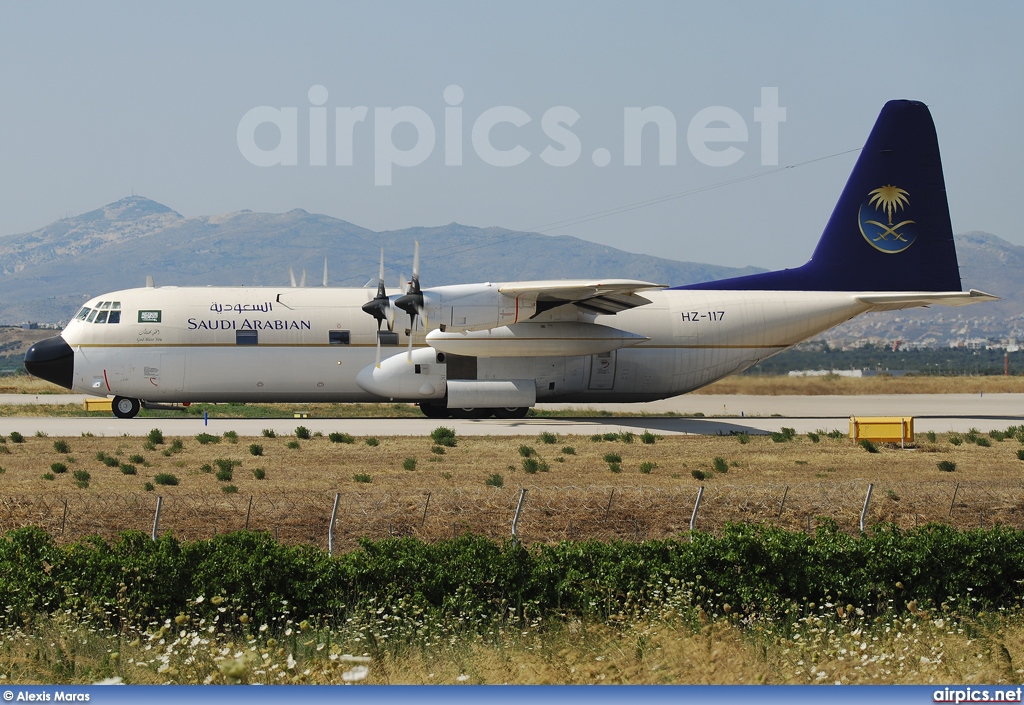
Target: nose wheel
{"points": [[125, 408]]}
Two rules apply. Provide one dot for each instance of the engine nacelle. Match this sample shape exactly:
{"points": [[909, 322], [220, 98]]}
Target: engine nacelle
{"points": [[474, 307]]}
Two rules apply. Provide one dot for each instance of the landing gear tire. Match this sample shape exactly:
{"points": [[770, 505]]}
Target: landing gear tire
{"points": [[434, 411], [512, 412], [471, 413], [125, 408]]}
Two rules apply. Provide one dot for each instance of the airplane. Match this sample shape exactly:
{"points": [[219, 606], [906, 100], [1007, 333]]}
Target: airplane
{"points": [[493, 348]]}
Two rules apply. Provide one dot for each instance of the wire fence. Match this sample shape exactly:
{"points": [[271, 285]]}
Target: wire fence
{"points": [[545, 514]]}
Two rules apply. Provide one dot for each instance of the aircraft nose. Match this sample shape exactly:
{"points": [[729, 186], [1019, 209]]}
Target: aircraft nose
{"points": [[52, 359]]}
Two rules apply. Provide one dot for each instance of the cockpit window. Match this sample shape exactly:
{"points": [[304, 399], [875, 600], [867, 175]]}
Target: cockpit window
{"points": [[104, 312]]}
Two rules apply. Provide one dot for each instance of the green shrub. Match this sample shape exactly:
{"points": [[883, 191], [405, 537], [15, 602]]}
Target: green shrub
{"points": [[81, 475], [61, 446], [227, 464], [947, 465], [255, 449], [648, 438], [49, 476], [269, 433], [743, 438], [495, 480], [835, 434], [224, 475], [627, 437], [231, 436], [530, 465], [443, 436], [362, 477], [548, 438], [931, 436], [814, 437], [137, 459], [58, 468], [259, 473], [165, 478], [612, 458], [155, 436], [372, 442], [568, 450], [719, 465], [972, 435], [610, 436], [646, 468], [127, 469], [437, 450], [206, 438], [341, 438], [177, 445], [5, 450], [983, 442], [111, 462], [148, 487], [228, 489], [41, 434], [778, 437], [698, 474], [1020, 454], [294, 445], [955, 439], [206, 467], [542, 466], [409, 464], [303, 433], [868, 445], [615, 467], [526, 451], [17, 437], [148, 445], [596, 438]]}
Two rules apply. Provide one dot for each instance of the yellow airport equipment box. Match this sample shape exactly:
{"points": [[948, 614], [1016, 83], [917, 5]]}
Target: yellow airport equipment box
{"points": [[98, 405], [884, 429]]}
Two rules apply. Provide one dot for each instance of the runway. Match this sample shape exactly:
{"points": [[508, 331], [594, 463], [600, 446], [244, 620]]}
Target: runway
{"points": [[706, 414]]}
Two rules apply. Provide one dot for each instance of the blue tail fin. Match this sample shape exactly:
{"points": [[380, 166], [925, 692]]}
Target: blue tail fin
{"points": [[890, 230]]}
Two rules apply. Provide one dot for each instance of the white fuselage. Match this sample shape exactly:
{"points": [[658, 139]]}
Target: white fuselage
{"points": [[249, 344]]}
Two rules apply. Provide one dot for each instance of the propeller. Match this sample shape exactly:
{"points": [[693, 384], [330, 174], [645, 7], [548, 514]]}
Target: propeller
{"points": [[325, 271], [291, 275], [412, 301], [380, 305], [302, 281]]}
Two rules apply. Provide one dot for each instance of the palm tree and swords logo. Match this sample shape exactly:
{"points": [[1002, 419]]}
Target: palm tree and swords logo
{"points": [[887, 236]]}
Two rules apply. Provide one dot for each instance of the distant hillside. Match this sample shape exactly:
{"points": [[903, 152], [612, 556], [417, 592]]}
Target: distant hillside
{"points": [[48, 273]]}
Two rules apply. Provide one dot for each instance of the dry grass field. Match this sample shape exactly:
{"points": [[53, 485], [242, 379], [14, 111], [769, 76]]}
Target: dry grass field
{"points": [[576, 486]]}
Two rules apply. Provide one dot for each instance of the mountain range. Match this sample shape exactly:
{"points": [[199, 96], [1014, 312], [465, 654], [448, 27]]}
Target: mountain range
{"points": [[48, 273]]}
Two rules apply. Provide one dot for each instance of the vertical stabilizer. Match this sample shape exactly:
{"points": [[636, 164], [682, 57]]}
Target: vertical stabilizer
{"points": [[890, 230]]}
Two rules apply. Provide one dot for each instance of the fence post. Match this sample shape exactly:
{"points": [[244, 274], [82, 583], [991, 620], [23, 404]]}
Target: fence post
{"points": [[156, 516], [864, 511], [783, 502], [425, 506], [64, 518], [248, 512], [696, 508], [519, 507], [953, 501], [330, 529], [609, 507]]}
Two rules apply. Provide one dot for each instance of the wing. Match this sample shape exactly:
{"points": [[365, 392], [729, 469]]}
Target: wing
{"points": [[600, 296]]}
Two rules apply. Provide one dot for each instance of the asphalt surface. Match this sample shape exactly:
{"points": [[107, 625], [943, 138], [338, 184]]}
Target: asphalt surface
{"points": [[721, 414]]}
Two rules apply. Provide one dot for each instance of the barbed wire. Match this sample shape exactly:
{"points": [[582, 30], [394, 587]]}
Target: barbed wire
{"points": [[548, 514]]}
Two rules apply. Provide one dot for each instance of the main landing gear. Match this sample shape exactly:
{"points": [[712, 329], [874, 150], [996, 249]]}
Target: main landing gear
{"points": [[437, 411]]}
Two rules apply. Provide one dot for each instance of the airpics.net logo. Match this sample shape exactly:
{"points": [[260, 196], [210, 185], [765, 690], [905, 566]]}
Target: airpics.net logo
{"points": [[712, 134]]}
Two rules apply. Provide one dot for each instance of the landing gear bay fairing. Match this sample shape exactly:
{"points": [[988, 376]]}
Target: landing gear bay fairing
{"points": [[486, 349]]}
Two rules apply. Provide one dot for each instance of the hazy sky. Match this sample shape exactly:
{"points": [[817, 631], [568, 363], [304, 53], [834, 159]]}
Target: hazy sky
{"points": [[100, 99]]}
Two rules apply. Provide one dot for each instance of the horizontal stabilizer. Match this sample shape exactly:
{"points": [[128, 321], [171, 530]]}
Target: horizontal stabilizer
{"points": [[902, 300]]}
